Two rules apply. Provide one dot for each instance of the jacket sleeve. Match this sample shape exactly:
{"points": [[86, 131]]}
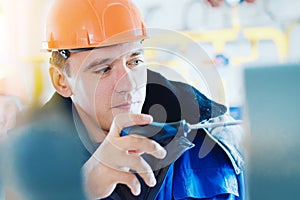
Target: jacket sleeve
{"points": [[183, 101], [230, 139]]}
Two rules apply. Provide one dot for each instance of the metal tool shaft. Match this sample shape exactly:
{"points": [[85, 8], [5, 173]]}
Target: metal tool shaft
{"points": [[214, 124]]}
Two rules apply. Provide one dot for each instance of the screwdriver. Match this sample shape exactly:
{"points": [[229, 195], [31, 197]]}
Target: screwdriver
{"points": [[163, 133]]}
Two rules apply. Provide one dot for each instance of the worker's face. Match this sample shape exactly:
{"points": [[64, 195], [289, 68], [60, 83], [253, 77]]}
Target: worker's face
{"points": [[108, 81]]}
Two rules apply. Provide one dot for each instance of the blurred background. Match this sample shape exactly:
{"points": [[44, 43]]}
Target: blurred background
{"points": [[233, 33]]}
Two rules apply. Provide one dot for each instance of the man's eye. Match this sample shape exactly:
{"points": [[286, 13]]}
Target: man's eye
{"points": [[103, 70], [135, 63]]}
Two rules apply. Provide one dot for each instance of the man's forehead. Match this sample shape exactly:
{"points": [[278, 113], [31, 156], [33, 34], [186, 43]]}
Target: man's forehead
{"points": [[116, 50], [108, 53]]}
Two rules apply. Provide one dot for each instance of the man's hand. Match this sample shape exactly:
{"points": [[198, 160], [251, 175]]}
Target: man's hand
{"points": [[118, 158]]}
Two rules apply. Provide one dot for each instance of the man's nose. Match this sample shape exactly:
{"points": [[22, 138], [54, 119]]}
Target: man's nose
{"points": [[125, 79]]}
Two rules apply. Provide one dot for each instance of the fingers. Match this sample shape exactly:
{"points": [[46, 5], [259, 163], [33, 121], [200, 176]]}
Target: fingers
{"points": [[101, 180], [122, 155], [120, 160], [126, 178], [133, 146], [136, 143], [124, 120], [131, 181], [140, 144], [141, 167]]}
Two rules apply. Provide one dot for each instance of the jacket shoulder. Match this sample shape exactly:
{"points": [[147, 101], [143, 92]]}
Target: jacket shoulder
{"points": [[179, 101]]}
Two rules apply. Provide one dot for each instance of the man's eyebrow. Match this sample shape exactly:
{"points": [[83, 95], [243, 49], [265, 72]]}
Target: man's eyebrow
{"points": [[137, 53], [98, 62], [109, 60]]}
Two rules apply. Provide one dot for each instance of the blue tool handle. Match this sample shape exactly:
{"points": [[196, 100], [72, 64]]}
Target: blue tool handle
{"points": [[162, 133]]}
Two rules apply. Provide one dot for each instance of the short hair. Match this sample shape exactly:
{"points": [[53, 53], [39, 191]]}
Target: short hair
{"points": [[59, 61]]}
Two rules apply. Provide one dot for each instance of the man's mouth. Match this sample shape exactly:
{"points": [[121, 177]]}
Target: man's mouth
{"points": [[126, 105]]}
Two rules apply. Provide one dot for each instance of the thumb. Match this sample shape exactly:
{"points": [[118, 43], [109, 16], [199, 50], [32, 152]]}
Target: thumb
{"points": [[127, 119]]}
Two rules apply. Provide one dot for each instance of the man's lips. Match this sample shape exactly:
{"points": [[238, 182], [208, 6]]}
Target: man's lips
{"points": [[125, 105]]}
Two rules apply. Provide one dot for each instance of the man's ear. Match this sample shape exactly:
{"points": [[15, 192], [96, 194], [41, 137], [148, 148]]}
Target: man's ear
{"points": [[59, 81]]}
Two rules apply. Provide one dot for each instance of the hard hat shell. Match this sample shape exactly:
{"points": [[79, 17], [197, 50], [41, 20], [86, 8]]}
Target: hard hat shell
{"points": [[73, 24]]}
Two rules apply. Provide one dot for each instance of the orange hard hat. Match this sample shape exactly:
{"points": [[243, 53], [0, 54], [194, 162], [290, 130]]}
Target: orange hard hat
{"points": [[75, 24]]}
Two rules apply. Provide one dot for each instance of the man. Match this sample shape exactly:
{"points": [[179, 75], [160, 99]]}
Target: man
{"points": [[102, 86]]}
